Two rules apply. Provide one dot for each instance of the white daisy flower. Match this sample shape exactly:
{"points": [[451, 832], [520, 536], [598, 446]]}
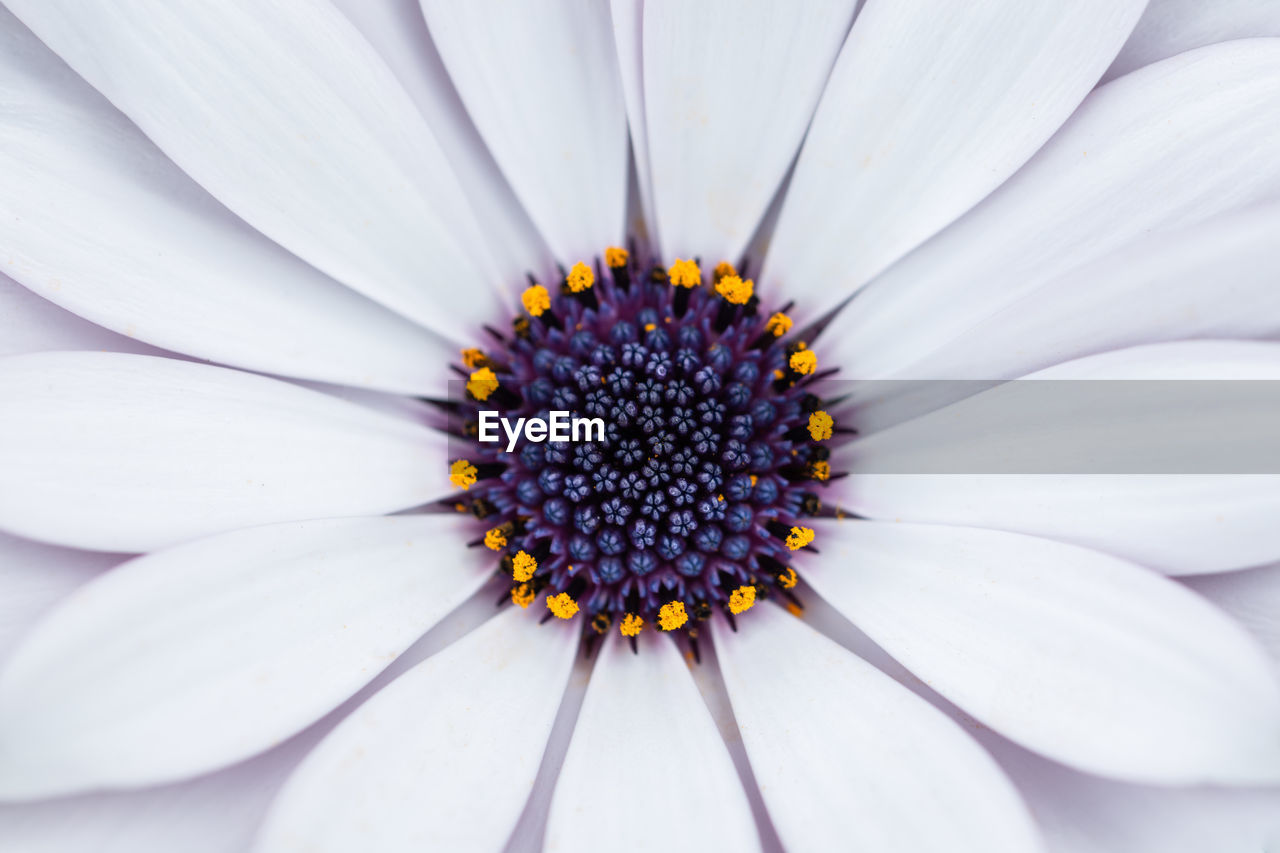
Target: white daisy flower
{"points": [[247, 247]]}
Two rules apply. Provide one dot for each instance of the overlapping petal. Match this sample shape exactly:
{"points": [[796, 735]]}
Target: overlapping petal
{"points": [[201, 655]]}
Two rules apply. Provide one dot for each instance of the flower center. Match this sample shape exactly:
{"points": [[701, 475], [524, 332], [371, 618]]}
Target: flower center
{"points": [[694, 497]]}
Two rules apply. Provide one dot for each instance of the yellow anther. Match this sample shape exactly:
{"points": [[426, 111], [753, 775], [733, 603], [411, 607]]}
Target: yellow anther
{"points": [[600, 623], [536, 299], [523, 566], [778, 374], [523, 595], [820, 424], [462, 474], [615, 257], [649, 327], [631, 625], [804, 362], [672, 615], [787, 580], [742, 599], [723, 269], [474, 358], [778, 325], [482, 383], [735, 290], [562, 605], [754, 479], [685, 273], [820, 471], [799, 537], [794, 609], [495, 539], [581, 277]]}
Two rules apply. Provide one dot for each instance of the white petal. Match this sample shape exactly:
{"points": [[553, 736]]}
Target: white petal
{"points": [[441, 759], [1084, 658], [31, 324], [96, 219], [729, 89], [646, 769], [218, 813], [1178, 524], [1176, 143], [1212, 280], [1252, 597], [287, 116], [628, 36], [847, 758], [1084, 814], [196, 657], [131, 453], [540, 80], [34, 577], [929, 109], [397, 30], [1168, 27]]}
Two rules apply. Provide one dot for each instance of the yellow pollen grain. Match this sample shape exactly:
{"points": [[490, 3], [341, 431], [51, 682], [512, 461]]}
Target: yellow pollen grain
{"points": [[649, 327], [820, 424], [462, 474], [616, 257], [788, 579], [536, 299], [562, 606], [685, 273], [742, 599], [723, 269], [581, 277], [778, 325], [523, 595], [799, 537], [672, 615], [735, 290], [482, 383], [495, 539], [523, 566], [778, 374], [474, 358], [631, 625], [794, 609], [804, 362], [820, 471]]}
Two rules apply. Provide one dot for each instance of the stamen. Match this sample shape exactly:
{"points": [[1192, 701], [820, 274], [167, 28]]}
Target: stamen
{"points": [[482, 383], [581, 278], [631, 625], [820, 471], [778, 325], [799, 537], [562, 606], [462, 474], [523, 595], [616, 258], [672, 615], [723, 269], [474, 358], [742, 599], [495, 539], [536, 300], [820, 425], [788, 579], [523, 566], [804, 361], [733, 289], [685, 274]]}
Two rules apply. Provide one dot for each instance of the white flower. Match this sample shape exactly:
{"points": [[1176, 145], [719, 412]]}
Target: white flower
{"points": [[294, 189]]}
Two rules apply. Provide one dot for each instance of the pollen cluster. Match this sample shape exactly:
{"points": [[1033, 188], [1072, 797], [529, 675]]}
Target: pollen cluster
{"points": [[696, 499]]}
